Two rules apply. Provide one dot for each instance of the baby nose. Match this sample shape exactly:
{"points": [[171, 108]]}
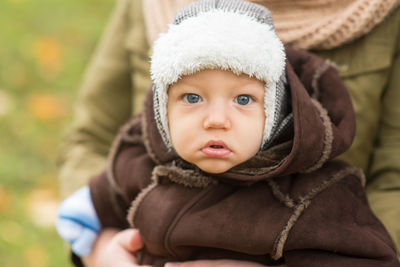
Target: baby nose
{"points": [[217, 117]]}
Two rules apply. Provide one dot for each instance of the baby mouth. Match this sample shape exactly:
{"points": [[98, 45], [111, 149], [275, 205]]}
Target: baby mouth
{"points": [[216, 149]]}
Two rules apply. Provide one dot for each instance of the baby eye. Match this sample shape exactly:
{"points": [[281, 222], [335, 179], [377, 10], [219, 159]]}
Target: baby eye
{"points": [[191, 98], [243, 100]]}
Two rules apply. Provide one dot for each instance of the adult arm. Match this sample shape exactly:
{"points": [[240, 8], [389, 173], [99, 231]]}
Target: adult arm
{"points": [[104, 103], [384, 190], [338, 228], [116, 248]]}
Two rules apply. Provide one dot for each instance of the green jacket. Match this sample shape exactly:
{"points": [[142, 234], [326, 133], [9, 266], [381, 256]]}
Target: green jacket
{"points": [[118, 77]]}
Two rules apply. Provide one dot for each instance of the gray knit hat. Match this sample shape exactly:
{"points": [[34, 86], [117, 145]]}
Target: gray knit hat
{"points": [[221, 34]]}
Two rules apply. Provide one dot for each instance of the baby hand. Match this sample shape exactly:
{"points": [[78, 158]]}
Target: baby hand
{"points": [[114, 248]]}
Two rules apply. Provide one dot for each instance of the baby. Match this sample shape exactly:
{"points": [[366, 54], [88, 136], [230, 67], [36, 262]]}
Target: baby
{"points": [[232, 155]]}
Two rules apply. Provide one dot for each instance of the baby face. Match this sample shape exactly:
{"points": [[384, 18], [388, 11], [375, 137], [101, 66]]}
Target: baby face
{"points": [[216, 118]]}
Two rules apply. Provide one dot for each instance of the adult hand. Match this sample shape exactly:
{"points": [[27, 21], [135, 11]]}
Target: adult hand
{"points": [[215, 263], [114, 248]]}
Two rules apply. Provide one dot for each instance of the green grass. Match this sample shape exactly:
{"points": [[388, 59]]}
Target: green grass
{"points": [[44, 48]]}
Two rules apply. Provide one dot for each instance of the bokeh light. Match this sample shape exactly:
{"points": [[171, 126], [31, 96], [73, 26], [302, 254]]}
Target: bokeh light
{"points": [[44, 48]]}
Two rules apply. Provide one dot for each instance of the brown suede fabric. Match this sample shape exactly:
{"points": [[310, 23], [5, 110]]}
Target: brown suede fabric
{"points": [[290, 204]]}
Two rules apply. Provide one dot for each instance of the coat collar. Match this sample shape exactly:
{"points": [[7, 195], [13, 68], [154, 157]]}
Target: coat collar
{"points": [[323, 125]]}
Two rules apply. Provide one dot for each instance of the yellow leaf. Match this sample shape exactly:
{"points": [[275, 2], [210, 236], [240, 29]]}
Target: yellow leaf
{"points": [[11, 232], [5, 103], [5, 201], [42, 206], [48, 54], [36, 256], [45, 106]]}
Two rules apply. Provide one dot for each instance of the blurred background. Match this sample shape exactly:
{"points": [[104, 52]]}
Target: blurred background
{"points": [[44, 48]]}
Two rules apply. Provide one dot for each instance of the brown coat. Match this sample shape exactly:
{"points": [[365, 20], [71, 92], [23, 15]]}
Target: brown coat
{"points": [[289, 204]]}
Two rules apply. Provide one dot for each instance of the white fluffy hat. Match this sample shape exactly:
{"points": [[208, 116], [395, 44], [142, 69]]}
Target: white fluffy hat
{"points": [[220, 34]]}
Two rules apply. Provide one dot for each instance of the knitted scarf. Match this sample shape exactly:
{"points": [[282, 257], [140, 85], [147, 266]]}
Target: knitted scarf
{"points": [[306, 24]]}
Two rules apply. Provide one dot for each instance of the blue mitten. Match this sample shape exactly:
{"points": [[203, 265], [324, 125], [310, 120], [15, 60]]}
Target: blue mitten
{"points": [[77, 221]]}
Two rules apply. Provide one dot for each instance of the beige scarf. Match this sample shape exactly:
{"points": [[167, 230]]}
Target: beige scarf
{"points": [[318, 24]]}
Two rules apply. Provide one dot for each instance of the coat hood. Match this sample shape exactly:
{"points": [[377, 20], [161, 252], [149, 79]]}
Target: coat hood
{"points": [[323, 125]]}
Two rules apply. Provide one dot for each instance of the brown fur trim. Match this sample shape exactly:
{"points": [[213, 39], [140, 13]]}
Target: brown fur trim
{"points": [[175, 174], [361, 175], [318, 74], [116, 199], [146, 141], [283, 198], [304, 202], [328, 138], [333, 180], [279, 243], [111, 163], [132, 139], [136, 202], [272, 157], [122, 136], [254, 171], [188, 178]]}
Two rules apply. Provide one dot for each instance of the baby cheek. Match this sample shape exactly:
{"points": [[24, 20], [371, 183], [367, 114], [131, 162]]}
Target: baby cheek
{"points": [[254, 134], [181, 133], [255, 140]]}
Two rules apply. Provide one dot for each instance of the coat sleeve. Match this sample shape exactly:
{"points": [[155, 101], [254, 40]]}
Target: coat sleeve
{"points": [[104, 102], [128, 172], [338, 228], [113, 190], [384, 190], [370, 69], [109, 205]]}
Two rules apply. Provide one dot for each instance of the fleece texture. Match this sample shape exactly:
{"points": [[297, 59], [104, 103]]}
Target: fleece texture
{"points": [[235, 36], [290, 204]]}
